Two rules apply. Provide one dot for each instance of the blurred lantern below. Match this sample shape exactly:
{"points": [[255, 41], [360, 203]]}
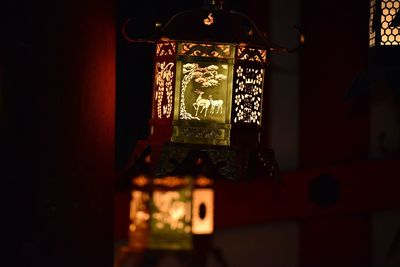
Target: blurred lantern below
{"points": [[165, 213]]}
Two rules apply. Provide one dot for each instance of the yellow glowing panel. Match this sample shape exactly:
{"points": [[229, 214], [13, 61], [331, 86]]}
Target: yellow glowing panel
{"points": [[203, 211], [172, 211], [203, 94], [170, 220]]}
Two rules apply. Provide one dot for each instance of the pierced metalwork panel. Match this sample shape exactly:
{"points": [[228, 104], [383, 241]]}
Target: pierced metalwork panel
{"points": [[372, 14], [251, 54], [206, 50], [247, 95], [390, 31], [164, 83], [165, 49]]}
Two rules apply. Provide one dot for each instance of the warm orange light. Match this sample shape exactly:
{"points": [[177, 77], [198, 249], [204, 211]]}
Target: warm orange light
{"points": [[209, 20], [140, 181], [172, 211], [171, 181], [203, 181], [138, 213], [389, 32], [203, 211]]}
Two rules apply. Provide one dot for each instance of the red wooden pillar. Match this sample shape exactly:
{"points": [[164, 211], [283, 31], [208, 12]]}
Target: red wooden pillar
{"points": [[333, 129]]}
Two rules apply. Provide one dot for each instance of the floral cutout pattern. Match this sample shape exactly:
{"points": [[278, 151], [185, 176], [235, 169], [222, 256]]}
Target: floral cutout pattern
{"points": [[247, 95]]}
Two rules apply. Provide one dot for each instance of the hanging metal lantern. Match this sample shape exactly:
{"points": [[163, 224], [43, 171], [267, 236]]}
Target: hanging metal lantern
{"points": [[384, 35], [384, 25], [209, 75], [384, 49], [208, 90]]}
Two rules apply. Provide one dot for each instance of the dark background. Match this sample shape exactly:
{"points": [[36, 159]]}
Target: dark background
{"points": [[68, 82]]}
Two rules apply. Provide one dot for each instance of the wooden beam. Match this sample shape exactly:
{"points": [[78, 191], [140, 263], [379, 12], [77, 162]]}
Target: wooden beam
{"points": [[365, 187]]}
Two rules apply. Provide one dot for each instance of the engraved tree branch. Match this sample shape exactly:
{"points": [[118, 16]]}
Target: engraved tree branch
{"points": [[207, 76]]}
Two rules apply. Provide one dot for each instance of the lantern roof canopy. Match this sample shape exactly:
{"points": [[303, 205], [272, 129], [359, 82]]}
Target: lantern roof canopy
{"points": [[213, 24], [216, 26]]}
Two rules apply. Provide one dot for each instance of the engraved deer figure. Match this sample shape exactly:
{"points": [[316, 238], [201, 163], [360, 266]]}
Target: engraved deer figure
{"points": [[200, 102], [215, 104]]}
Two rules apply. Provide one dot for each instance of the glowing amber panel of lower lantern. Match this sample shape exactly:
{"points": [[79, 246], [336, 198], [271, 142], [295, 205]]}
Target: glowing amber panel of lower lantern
{"points": [[203, 211], [171, 220]]}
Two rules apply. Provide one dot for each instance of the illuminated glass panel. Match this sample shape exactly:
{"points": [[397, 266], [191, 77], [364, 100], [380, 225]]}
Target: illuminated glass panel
{"points": [[247, 95], [171, 220], [203, 92], [203, 211], [390, 34]]}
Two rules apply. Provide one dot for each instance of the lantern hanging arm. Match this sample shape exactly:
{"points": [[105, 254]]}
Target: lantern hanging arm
{"points": [[268, 43], [258, 38], [133, 40]]}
